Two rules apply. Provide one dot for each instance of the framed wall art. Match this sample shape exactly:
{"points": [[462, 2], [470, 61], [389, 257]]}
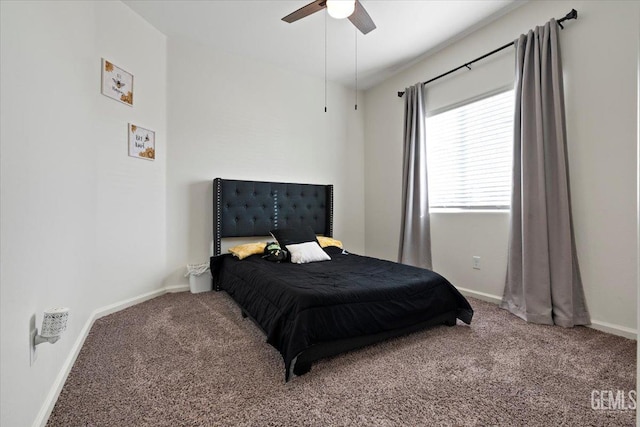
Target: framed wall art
{"points": [[142, 142], [117, 83]]}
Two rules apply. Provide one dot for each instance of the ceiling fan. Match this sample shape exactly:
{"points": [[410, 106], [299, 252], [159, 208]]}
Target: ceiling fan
{"points": [[338, 9]]}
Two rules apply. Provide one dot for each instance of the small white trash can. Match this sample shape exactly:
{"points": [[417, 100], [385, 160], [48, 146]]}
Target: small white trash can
{"points": [[199, 278]]}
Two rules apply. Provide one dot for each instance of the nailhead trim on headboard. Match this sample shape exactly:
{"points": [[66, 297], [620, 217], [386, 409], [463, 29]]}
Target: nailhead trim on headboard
{"points": [[217, 215], [329, 226]]}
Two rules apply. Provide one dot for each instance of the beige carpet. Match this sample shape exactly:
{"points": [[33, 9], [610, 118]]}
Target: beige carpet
{"points": [[191, 360]]}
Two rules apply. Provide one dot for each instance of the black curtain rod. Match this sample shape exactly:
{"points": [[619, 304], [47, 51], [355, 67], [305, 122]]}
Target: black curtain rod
{"points": [[571, 15]]}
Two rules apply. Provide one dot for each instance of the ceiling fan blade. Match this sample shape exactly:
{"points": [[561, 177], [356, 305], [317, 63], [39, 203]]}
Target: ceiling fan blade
{"points": [[307, 10], [361, 19]]}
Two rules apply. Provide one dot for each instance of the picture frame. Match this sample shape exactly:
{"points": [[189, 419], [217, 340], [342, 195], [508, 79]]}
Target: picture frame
{"points": [[142, 142], [117, 83]]}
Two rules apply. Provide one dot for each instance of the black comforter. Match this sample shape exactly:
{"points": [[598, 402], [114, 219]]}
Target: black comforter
{"points": [[298, 306]]}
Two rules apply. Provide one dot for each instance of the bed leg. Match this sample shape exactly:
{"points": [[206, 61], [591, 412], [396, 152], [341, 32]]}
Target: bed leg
{"points": [[301, 368], [244, 314], [450, 322]]}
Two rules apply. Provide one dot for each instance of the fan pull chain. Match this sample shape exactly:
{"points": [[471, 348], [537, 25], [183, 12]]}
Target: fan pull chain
{"points": [[355, 30], [325, 62]]}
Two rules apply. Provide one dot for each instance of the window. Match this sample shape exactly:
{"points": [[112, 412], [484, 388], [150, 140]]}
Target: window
{"points": [[469, 154]]}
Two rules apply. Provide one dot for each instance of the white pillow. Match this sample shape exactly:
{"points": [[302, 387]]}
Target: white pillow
{"points": [[302, 253]]}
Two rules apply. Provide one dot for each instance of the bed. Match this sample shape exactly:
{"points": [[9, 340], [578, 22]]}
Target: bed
{"points": [[319, 309]]}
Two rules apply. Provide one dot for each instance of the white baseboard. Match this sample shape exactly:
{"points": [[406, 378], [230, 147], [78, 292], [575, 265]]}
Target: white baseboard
{"points": [[480, 295], [177, 288], [52, 396], [610, 328], [599, 325], [121, 305]]}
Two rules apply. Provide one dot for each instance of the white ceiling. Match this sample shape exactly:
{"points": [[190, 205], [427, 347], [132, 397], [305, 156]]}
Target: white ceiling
{"points": [[407, 30]]}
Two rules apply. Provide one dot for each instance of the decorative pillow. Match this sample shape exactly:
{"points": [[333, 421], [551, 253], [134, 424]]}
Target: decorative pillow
{"points": [[289, 236], [243, 251], [328, 241], [302, 253]]}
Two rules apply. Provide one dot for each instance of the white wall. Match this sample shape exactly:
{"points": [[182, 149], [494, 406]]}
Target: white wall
{"points": [[599, 53], [236, 118], [82, 224]]}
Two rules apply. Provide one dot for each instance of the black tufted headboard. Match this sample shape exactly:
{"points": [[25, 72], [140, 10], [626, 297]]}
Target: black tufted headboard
{"points": [[254, 208]]}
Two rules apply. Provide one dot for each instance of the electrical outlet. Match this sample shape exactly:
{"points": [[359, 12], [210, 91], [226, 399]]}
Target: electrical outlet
{"points": [[33, 350], [476, 262]]}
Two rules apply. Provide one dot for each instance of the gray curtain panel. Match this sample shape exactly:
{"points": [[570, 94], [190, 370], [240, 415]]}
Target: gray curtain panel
{"points": [[543, 282], [415, 233]]}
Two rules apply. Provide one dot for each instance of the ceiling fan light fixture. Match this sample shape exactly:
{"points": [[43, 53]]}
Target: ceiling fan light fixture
{"points": [[340, 9]]}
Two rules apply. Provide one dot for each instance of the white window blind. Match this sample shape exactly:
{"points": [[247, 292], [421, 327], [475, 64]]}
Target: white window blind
{"points": [[469, 150]]}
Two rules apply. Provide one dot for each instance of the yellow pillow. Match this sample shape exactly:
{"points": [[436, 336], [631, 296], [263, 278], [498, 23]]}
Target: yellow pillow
{"points": [[328, 241], [243, 251]]}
